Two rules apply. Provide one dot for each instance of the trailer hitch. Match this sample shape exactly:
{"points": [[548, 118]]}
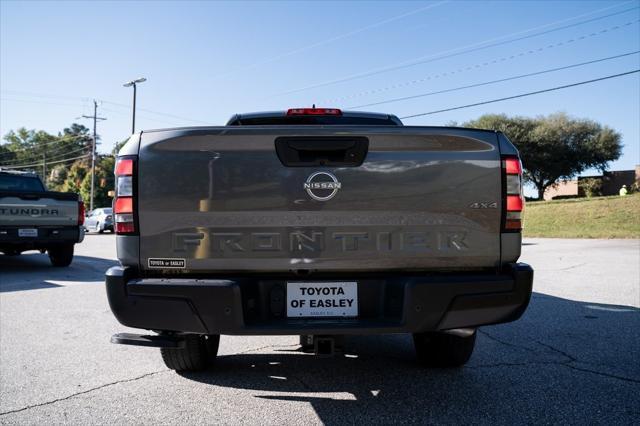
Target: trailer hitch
{"points": [[149, 340]]}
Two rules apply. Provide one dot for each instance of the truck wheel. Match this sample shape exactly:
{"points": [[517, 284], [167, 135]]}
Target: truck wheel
{"points": [[61, 255], [100, 229], [444, 349], [199, 351]]}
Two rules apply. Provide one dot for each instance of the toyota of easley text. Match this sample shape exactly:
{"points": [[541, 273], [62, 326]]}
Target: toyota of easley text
{"points": [[319, 223], [32, 218]]}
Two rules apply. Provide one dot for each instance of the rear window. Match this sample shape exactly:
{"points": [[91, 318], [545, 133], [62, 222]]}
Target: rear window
{"points": [[317, 120], [20, 183]]}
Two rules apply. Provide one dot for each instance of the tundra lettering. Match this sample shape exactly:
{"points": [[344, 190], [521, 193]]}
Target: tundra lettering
{"points": [[29, 211]]}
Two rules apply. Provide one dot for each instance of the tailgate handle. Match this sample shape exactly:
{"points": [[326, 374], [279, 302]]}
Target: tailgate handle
{"points": [[305, 151]]}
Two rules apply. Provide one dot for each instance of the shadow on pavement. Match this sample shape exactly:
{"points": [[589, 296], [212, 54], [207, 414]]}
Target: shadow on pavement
{"points": [[564, 361], [33, 271]]}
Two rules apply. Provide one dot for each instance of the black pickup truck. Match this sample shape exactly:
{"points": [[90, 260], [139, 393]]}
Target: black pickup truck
{"points": [[319, 223]]}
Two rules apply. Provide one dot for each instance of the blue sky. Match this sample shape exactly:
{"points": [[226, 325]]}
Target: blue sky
{"points": [[205, 61]]}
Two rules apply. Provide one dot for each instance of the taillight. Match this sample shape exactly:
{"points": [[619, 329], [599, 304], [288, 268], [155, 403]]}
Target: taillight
{"points": [[314, 111], [124, 202], [513, 201], [80, 213]]}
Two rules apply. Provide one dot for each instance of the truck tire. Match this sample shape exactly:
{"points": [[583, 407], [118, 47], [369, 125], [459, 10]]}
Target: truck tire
{"points": [[99, 228], [61, 256], [444, 349], [198, 353]]}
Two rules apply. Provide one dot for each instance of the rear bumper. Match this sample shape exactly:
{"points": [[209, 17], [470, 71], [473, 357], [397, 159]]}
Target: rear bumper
{"points": [[48, 236], [256, 306]]}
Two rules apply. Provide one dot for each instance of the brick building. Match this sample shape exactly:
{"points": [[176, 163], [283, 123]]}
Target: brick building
{"points": [[611, 184]]}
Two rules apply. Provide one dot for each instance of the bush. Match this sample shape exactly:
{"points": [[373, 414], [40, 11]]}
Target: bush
{"points": [[592, 187]]}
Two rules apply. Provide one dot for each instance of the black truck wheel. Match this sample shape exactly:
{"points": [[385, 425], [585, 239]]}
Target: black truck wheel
{"points": [[444, 349], [61, 255], [198, 353]]}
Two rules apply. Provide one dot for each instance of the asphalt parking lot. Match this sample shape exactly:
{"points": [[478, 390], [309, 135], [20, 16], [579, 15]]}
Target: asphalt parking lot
{"points": [[573, 358]]}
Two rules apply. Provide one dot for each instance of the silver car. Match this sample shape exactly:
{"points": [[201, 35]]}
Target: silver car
{"points": [[99, 220]]}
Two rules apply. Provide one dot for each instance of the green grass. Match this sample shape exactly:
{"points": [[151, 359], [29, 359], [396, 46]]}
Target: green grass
{"points": [[599, 217]]}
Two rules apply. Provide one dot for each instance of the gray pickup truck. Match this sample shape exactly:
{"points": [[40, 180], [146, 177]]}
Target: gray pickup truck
{"points": [[319, 223], [32, 218]]}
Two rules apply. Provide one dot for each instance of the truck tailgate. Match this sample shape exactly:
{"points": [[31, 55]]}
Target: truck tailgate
{"points": [[223, 199], [38, 209]]}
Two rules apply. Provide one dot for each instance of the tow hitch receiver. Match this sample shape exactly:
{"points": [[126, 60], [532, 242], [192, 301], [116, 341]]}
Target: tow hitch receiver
{"points": [[150, 340], [327, 346]]}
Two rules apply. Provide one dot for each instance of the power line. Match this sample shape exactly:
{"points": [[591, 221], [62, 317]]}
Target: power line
{"points": [[44, 95], [455, 52], [480, 64], [84, 100], [145, 117], [53, 157], [334, 38], [76, 105], [522, 95], [58, 149], [157, 113], [52, 162], [59, 156], [501, 80], [43, 144]]}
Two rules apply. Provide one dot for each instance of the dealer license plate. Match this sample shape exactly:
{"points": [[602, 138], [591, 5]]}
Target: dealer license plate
{"points": [[27, 233], [322, 299]]}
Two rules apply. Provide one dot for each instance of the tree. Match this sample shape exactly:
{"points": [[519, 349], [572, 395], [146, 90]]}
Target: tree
{"points": [[81, 138], [57, 177], [6, 155], [556, 146], [33, 149], [74, 179], [104, 182]]}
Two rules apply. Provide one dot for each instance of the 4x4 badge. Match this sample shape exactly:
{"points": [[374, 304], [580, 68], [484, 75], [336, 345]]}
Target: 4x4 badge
{"points": [[488, 205], [322, 186]]}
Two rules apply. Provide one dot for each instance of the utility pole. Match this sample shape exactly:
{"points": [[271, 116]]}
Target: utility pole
{"points": [[93, 148], [44, 167]]}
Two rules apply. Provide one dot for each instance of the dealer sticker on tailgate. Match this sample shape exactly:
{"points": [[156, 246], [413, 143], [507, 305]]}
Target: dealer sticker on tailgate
{"points": [[322, 299], [166, 263]]}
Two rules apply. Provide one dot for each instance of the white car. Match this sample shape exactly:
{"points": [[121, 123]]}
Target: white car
{"points": [[99, 220]]}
